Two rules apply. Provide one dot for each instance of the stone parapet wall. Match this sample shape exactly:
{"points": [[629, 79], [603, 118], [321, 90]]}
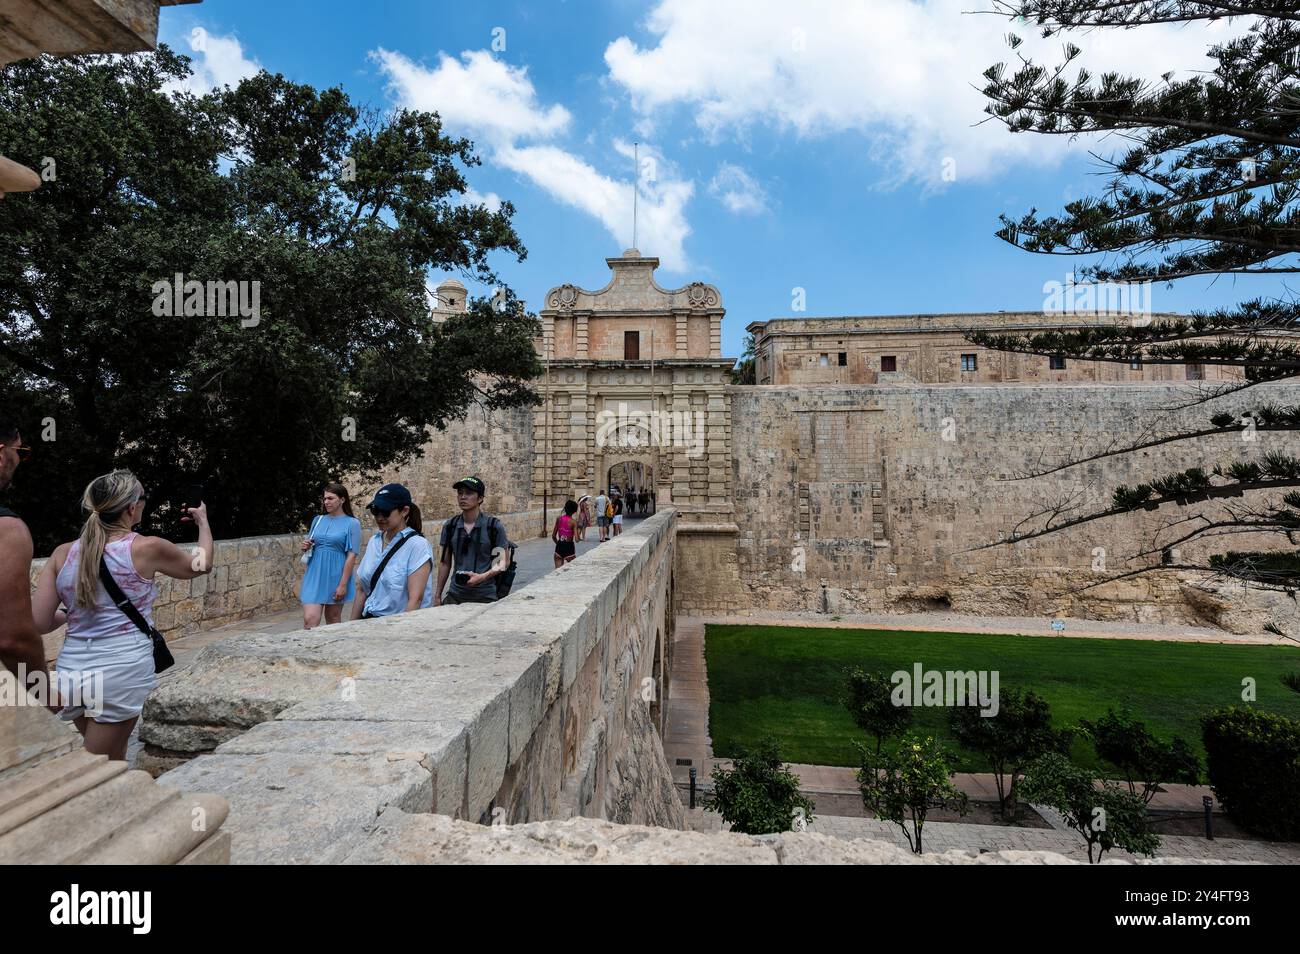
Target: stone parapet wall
{"points": [[886, 494], [542, 706], [251, 576]]}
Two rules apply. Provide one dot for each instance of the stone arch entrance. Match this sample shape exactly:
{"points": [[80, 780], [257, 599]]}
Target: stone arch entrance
{"points": [[631, 475]]}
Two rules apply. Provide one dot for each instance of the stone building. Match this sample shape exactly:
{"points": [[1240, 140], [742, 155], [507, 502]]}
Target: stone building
{"points": [[635, 390], [933, 349]]}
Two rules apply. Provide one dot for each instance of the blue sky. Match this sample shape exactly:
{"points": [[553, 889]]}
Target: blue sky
{"points": [[829, 145]]}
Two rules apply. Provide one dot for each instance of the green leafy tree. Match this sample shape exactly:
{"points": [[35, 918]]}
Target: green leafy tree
{"points": [[905, 783], [870, 703], [339, 215], [758, 795], [745, 371], [1128, 745], [1019, 733], [1207, 183], [1105, 815]]}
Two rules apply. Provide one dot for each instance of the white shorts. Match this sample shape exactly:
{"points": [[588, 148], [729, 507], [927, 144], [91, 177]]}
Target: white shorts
{"points": [[618, 520], [106, 679]]}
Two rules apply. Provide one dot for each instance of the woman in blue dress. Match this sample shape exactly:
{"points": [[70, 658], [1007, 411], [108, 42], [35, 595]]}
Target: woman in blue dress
{"points": [[332, 548]]}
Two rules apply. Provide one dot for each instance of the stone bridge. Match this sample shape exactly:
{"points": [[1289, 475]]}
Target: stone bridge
{"points": [[543, 706]]}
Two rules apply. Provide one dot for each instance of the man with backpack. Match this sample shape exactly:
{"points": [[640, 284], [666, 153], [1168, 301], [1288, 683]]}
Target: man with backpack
{"points": [[477, 545], [603, 515]]}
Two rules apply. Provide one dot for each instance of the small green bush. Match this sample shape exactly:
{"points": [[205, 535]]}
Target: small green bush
{"points": [[1105, 815], [903, 784], [1143, 758], [759, 795], [1018, 734], [1253, 760]]}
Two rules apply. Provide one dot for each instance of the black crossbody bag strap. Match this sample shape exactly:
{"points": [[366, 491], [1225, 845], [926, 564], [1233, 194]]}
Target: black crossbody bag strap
{"points": [[162, 656], [449, 551], [374, 578]]}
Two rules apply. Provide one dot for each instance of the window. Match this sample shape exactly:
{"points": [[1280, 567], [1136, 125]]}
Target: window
{"points": [[888, 362], [969, 363], [1195, 372], [825, 361], [1056, 363], [844, 359], [1135, 364], [631, 346]]}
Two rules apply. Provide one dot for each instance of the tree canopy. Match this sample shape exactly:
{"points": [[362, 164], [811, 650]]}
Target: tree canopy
{"points": [[1207, 183], [326, 216]]}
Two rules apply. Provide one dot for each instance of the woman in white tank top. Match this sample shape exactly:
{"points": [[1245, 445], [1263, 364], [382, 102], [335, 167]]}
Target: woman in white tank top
{"points": [[105, 669]]}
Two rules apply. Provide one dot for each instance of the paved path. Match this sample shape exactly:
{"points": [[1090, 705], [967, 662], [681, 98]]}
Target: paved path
{"points": [[1008, 625]]}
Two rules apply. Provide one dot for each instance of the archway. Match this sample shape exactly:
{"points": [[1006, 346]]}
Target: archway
{"points": [[634, 481]]}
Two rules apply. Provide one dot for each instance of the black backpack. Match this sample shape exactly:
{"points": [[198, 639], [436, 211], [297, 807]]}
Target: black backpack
{"points": [[505, 579]]}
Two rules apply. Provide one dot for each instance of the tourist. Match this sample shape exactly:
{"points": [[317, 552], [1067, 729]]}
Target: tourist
{"points": [[643, 501], [584, 516], [106, 667], [21, 650], [477, 544], [396, 571], [563, 534], [602, 515], [617, 519], [331, 551]]}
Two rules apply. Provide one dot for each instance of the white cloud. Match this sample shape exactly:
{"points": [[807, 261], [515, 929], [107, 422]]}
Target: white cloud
{"points": [[478, 94], [491, 200], [661, 221], [906, 73], [497, 105], [738, 190], [216, 61]]}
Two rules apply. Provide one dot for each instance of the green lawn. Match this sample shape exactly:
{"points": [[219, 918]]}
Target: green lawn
{"points": [[787, 682]]}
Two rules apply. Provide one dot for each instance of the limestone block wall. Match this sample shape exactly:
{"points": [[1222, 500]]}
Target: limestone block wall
{"points": [[498, 447], [251, 576], [541, 706], [884, 495]]}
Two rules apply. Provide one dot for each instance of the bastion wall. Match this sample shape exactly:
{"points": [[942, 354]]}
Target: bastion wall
{"points": [[887, 494]]}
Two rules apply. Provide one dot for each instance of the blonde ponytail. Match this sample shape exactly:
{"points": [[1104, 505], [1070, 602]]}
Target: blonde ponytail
{"points": [[104, 500]]}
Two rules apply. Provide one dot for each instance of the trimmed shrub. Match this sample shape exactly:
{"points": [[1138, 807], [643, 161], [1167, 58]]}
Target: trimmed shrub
{"points": [[1253, 760]]}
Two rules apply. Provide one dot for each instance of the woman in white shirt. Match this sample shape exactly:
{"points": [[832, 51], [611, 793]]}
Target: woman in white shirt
{"points": [[406, 579], [106, 667]]}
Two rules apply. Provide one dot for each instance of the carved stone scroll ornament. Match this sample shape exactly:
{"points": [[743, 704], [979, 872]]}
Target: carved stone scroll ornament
{"points": [[566, 296], [700, 295]]}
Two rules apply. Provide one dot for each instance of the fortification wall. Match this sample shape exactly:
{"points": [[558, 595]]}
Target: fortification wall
{"points": [[884, 494], [498, 447], [542, 706]]}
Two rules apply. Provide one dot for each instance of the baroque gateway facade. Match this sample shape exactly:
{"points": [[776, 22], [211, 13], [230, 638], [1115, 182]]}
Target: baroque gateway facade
{"points": [[855, 483]]}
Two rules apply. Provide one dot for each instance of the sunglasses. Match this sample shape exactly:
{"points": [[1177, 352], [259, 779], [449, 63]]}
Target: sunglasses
{"points": [[380, 511]]}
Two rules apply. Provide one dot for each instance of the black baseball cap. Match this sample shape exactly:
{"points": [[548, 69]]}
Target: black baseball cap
{"points": [[391, 497], [471, 483]]}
